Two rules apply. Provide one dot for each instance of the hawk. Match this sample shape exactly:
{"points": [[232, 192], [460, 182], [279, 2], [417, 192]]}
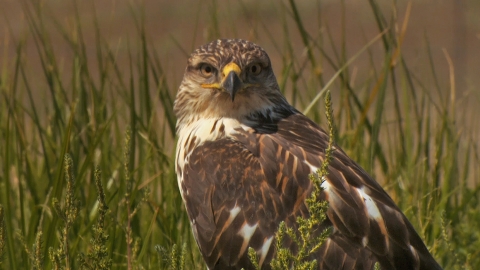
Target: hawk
{"points": [[243, 160]]}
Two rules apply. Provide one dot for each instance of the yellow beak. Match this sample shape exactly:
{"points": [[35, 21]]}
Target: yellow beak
{"points": [[231, 79]]}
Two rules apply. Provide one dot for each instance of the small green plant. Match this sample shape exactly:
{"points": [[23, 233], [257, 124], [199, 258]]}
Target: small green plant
{"points": [[128, 194], [447, 241], [68, 213], [35, 255], [173, 259], [132, 208], [2, 234], [98, 257]]}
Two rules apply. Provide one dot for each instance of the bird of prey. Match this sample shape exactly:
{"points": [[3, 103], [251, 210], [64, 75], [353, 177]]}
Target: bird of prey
{"points": [[243, 160]]}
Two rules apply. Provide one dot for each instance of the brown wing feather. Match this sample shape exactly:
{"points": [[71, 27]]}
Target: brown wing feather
{"points": [[221, 176], [263, 176], [390, 237]]}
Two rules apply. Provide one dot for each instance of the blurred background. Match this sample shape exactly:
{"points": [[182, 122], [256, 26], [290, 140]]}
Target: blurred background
{"points": [[438, 40], [97, 80], [175, 28]]}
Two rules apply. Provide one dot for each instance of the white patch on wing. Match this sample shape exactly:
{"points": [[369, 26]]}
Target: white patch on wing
{"points": [[234, 212], [325, 185], [246, 232], [365, 241], [264, 250], [372, 208], [414, 252]]}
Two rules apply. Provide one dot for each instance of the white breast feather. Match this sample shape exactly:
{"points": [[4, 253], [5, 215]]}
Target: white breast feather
{"points": [[202, 131]]}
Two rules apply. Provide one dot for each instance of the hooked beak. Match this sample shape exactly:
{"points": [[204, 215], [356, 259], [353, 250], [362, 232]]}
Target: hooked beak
{"points": [[232, 82]]}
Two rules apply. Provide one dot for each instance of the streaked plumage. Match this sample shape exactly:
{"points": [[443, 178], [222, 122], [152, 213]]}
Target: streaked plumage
{"points": [[243, 159]]}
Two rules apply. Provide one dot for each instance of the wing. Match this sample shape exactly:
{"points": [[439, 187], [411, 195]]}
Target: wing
{"points": [[362, 213], [229, 203], [238, 190]]}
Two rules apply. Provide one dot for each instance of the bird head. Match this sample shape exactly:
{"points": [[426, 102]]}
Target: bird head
{"points": [[227, 78]]}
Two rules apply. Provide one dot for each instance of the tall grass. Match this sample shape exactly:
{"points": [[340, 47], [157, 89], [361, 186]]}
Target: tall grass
{"points": [[111, 128]]}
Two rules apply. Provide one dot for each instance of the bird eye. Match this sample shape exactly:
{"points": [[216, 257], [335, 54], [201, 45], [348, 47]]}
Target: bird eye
{"points": [[255, 69], [207, 70]]}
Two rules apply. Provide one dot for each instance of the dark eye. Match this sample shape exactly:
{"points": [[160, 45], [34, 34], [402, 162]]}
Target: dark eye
{"points": [[207, 70], [255, 69]]}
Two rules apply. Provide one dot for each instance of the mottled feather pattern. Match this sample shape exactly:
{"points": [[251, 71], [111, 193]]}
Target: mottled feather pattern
{"points": [[243, 167]]}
